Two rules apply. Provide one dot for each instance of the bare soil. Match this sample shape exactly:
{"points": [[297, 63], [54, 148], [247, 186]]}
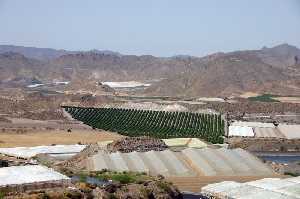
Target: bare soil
{"points": [[48, 137], [288, 99]]}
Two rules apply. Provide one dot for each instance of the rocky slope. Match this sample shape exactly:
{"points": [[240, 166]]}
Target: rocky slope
{"points": [[272, 70]]}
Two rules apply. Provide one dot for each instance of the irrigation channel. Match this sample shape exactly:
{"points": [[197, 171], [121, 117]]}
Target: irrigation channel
{"points": [[279, 157]]}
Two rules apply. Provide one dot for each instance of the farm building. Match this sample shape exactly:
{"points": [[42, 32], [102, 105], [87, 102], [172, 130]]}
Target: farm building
{"points": [[189, 162], [55, 151], [22, 178], [288, 188]]}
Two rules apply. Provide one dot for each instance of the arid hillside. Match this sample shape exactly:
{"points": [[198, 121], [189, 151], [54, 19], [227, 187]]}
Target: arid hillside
{"points": [[272, 70], [229, 74]]}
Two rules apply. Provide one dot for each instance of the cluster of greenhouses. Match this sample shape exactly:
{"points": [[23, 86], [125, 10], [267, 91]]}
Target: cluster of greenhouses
{"points": [[159, 124]]}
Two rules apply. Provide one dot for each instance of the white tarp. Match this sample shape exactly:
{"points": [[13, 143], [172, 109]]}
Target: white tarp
{"points": [[28, 174], [211, 99], [241, 131], [129, 84], [28, 152]]}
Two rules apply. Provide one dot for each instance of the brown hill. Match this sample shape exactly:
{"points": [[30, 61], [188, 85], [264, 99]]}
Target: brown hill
{"points": [[118, 68], [225, 75], [271, 70], [281, 56], [43, 54], [14, 66]]}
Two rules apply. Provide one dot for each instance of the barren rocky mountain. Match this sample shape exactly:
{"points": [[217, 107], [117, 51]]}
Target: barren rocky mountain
{"points": [[16, 67], [44, 54], [281, 56], [272, 70], [228, 74]]}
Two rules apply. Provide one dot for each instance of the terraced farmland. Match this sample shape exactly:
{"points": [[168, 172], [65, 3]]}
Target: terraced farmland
{"points": [[159, 124]]}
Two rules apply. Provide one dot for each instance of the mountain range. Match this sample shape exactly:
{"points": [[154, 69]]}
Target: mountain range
{"points": [[268, 70]]}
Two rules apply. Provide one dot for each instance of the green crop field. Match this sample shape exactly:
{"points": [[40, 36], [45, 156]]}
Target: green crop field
{"points": [[159, 124]]}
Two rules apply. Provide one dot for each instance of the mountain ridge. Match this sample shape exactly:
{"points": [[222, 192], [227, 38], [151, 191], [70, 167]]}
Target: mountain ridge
{"points": [[264, 70]]}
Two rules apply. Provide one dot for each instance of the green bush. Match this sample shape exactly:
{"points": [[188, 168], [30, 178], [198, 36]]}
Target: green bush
{"points": [[292, 174], [123, 178]]}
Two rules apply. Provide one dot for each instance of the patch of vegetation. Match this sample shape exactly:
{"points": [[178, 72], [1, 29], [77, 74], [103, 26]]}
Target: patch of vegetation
{"points": [[292, 174], [1, 195], [264, 98], [121, 177], [82, 177], [163, 186]]}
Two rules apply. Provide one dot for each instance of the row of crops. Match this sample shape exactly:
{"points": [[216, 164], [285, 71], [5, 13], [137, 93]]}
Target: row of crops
{"points": [[159, 124]]}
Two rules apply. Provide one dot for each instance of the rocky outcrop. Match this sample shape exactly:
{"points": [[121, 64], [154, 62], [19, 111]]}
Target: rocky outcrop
{"points": [[139, 144]]}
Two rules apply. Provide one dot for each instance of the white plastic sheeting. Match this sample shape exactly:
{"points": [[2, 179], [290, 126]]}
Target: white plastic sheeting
{"points": [[290, 131], [218, 188], [212, 162], [260, 189], [270, 183], [241, 131], [188, 162], [28, 152], [199, 162], [253, 124], [294, 179], [268, 133], [154, 162], [129, 84], [211, 99], [291, 191], [28, 174]]}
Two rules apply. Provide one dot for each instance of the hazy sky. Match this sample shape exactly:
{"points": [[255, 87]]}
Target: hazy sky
{"points": [[157, 27]]}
